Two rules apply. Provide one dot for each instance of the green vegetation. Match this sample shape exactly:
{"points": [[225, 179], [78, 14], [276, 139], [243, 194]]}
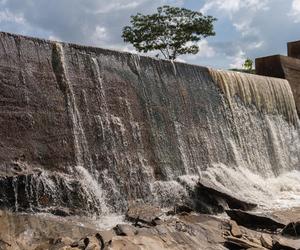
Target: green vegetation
{"points": [[247, 67], [172, 31]]}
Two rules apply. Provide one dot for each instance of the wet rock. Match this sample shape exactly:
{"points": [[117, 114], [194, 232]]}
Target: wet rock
{"points": [[266, 241], [280, 243], [143, 213], [241, 242], [81, 244], [292, 229], [64, 212], [92, 243], [105, 237], [178, 209], [234, 229], [122, 243], [209, 199], [59, 243], [254, 221], [125, 230]]}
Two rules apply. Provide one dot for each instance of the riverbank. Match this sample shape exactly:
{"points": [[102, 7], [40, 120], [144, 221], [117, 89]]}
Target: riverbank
{"points": [[146, 227]]}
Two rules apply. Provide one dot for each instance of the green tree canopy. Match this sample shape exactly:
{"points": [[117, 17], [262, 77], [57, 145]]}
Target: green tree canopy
{"points": [[248, 64], [173, 31]]}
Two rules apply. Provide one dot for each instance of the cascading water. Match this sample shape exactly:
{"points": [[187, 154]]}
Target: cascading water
{"points": [[101, 129]]}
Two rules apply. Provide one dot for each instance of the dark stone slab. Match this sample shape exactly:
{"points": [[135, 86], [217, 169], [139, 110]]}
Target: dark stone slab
{"points": [[255, 221], [294, 49]]}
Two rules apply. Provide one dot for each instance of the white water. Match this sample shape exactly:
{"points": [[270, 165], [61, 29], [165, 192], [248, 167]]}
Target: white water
{"points": [[239, 132], [82, 153], [282, 191], [93, 187]]}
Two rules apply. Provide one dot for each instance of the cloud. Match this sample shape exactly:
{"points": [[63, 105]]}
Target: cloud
{"points": [[238, 60], [7, 16], [295, 11], [205, 51], [232, 6], [91, 22], [245, 28]]}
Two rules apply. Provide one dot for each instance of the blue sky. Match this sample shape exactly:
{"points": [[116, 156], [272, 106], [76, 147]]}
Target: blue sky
{"points": [[245, 28]]}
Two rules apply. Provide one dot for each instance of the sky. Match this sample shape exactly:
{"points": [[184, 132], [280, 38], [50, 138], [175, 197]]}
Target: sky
{"points": [[245, 28]]}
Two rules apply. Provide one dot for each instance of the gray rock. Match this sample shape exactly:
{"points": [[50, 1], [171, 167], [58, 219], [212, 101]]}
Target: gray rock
{"points": [[143, 213]]}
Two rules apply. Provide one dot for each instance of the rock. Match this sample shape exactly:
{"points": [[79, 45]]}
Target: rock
{"points": [[66, 248], [105, 237], [125, 230], [242, 243], [292, 229], [80, 244], [62, 240], [254, 221], [266, 241], [63, 212], [234, 229], [122, 243], [143, 213], [178, 209], [280, 243], [93, 246], [255, 248], [210, 199], [92, 243]]}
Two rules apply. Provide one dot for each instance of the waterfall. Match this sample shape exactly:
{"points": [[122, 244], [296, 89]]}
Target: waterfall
{"points": [[100, 129], [82, 153], [270, 95], [80, 143]]}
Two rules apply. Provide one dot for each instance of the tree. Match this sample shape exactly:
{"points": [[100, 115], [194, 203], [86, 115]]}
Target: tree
{"points": [[173, 31], [248, 65]]}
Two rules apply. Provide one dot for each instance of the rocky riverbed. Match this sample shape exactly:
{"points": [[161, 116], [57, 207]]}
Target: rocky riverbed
{"points": [[148, 227]]}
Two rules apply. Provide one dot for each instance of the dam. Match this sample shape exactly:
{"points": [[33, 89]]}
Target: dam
{"points": [[89, 131]]}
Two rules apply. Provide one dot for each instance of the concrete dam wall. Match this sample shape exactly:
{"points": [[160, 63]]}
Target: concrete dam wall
{"points": [[94, 130]]}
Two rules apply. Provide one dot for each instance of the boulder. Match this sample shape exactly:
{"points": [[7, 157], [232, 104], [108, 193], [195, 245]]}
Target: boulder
{"points": [[254, 221], [125, 230], [181, 208], [143, 213], [92, 243], [105, 237], [281, 243], [234, 229], [292, 229], [210, 199], [241, 243], [266, 241]]}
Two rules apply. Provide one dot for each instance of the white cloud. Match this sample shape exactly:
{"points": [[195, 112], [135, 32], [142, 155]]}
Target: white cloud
{"points": [[7, 16], [295, 11], [205, 51], [100, 36], [245, 28], [90, 22], [232, 6], [238, 60]]}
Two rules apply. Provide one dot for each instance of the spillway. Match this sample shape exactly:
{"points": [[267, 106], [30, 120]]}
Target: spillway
{"points": [[93, 130]]}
